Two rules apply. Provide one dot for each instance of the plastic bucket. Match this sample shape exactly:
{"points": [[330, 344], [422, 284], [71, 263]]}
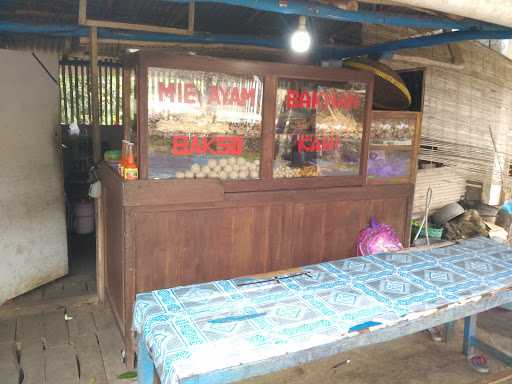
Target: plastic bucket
{"points": [[83, 223]]}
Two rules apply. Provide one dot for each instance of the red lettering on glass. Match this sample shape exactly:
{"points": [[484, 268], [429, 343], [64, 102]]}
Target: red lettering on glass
{"points": [[180, 146], [213, 95], [322, 100], [198, 145], [247, 95], [311, 143], [166, 91], [235, 97], [190, 93], [292, 99]]}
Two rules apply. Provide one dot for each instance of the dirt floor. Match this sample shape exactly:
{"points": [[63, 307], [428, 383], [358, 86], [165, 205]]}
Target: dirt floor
{"points": [[44, 348], [47, 337], [413, 359]]}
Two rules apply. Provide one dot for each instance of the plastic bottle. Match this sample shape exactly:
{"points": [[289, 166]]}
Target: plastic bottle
{"points": [[131, 172], [120, 166]]}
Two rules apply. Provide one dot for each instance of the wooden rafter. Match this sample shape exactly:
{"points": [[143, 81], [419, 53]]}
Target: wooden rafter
{"points": [[84, 20]]}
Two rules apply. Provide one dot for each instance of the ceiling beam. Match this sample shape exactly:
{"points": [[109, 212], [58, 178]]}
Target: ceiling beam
{"points": [[315, 9], [422, 42], [84, 20], [492, 11]]}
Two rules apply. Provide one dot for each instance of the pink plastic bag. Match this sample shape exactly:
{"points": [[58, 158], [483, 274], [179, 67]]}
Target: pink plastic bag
{"points": [[377, 238]]}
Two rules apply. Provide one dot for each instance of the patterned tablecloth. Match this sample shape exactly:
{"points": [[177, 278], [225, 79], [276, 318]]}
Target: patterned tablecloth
{"points": [[192, 331]]}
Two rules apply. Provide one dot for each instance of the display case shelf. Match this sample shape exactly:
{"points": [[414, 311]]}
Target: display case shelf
{"points": [[393, 163]]}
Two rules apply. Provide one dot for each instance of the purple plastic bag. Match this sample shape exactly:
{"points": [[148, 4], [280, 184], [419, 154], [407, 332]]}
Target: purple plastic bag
{"points": [[377, 238]]}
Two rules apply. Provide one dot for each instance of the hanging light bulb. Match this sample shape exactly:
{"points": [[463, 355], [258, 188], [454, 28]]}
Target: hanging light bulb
{"points": [[301, 39]]}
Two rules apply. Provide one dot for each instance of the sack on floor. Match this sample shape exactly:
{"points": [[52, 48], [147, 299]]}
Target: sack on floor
{"points": [[377, 238]]}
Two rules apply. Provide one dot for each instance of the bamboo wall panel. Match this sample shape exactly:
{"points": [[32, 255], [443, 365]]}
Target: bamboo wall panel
{"points": [[447, 184], [463, 103]]}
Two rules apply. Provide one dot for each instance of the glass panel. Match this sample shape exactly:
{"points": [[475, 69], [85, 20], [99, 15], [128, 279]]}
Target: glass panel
{"points": [[392, 131], [319, 128], [203, 125], [389, 163]]}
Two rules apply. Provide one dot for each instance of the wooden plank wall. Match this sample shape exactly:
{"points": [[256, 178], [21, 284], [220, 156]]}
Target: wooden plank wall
{"points": [[178, 247], [114, 247]]}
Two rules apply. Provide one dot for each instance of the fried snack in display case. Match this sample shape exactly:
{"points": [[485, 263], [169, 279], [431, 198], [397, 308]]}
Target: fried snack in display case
{"points": [[319, 128], [393, 131], [203, 125]]}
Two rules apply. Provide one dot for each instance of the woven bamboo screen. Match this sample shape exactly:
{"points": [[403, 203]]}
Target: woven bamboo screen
{"points": [[467, 112], [75, 96]]}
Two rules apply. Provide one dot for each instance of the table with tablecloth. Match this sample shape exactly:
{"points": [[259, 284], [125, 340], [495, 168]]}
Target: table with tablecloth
{"points": [[228, 330]]}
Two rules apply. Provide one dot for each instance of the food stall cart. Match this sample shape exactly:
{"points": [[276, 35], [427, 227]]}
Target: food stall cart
{"points": [[248, 167]]}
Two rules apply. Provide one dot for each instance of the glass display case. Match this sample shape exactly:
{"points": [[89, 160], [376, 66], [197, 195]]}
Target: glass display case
{"points": [[319, 128], [393, 146], [260, 128], [203, 125]]}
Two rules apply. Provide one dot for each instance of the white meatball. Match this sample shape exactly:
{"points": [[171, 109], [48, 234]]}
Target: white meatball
{"points": [[223, 162], [217, 168], [201, 175], [233, 175], [240, 161], [195, 168], [180, 175], [212, 175], [223, 175], [243, 167], [257, 161], [228, 169], [189, 175], [244, 174], [232, 160], [235, 167], [205, 169], [212, 163], [255, 174]]}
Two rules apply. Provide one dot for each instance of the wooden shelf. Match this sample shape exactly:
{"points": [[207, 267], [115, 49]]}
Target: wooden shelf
{"points": [[392, 147]]}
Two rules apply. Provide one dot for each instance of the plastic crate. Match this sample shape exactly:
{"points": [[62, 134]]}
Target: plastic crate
{"points": [[433, 232]]}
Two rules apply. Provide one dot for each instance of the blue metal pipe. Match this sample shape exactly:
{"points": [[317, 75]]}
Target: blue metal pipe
{"points": [[421, 42], [79, 31], [325, 53], [310, 9]]}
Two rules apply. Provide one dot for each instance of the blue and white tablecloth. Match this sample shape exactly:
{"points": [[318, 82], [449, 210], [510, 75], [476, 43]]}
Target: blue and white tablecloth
{"points": [[195, 330]]}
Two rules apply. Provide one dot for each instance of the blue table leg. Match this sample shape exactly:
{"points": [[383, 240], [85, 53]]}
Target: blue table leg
{"points": [[471, 342], [145, 366], [469, 335]]}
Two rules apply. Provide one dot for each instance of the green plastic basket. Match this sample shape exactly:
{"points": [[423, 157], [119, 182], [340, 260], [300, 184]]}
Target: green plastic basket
{"points": [[433, 232]]}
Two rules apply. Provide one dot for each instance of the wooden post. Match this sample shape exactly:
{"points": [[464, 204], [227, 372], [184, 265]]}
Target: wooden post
{"points": [[191, 16], [95, 131], [96, 151], [82, 12]]}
